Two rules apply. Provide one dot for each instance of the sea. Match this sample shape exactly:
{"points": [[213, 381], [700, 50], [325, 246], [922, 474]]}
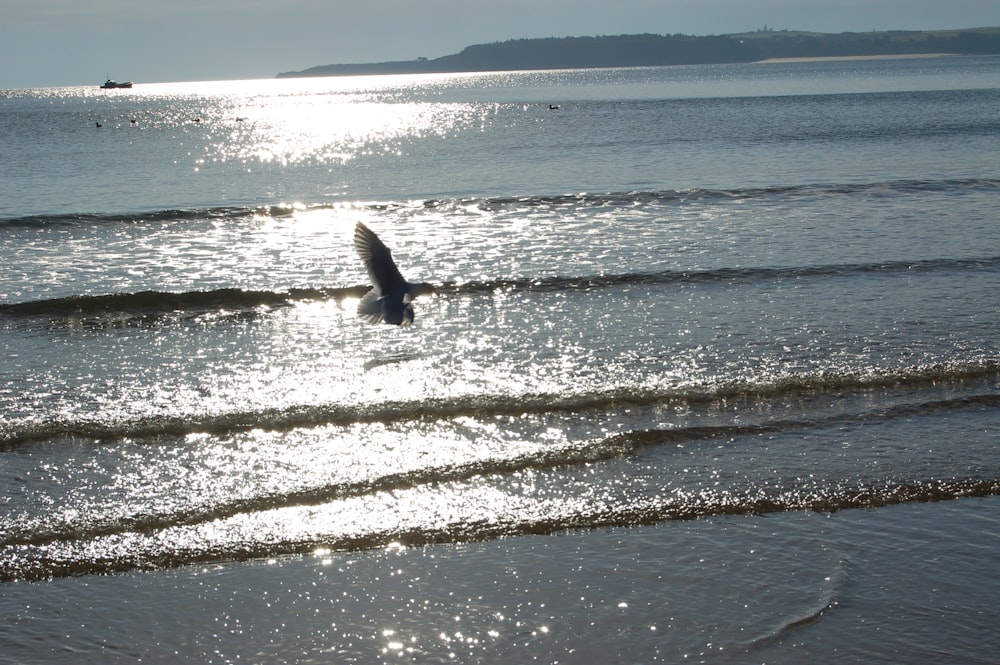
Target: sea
{"points": [[711, 373]]}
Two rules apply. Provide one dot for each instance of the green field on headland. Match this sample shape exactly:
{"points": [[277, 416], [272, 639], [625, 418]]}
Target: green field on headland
{"points": [[651, 50]]}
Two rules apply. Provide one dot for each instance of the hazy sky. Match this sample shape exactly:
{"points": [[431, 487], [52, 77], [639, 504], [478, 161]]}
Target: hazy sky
{"points": [[69, 42]]}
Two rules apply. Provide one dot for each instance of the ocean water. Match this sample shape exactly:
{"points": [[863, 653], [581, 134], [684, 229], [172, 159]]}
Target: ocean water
{"points": [[711, 373]]}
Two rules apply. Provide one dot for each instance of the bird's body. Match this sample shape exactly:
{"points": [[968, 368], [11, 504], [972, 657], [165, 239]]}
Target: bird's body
{"points": [[390, 297]]}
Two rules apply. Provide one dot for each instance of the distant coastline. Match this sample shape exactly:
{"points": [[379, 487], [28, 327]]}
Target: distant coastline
{"points": [[836, 58], [653, 50]]}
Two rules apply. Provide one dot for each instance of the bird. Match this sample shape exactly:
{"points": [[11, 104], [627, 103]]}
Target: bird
{"points": [[388, 301]]}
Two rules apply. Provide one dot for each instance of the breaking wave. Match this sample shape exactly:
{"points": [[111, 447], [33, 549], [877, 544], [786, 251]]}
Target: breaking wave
{"points": [[306, 416], [181, 544], [618, 445], [243, 527]]}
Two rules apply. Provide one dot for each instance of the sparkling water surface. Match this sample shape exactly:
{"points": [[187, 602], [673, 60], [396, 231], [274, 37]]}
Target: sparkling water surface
{"points": [[709, 346]]}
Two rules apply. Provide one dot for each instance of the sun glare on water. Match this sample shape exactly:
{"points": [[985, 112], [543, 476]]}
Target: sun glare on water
{"points": [[321, 121]]}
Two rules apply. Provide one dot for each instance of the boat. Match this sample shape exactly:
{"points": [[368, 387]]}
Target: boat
{"points": [[115, 84]]}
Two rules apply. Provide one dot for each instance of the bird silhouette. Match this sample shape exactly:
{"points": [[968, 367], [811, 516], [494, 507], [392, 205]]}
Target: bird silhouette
{"points": [[389, 299]]}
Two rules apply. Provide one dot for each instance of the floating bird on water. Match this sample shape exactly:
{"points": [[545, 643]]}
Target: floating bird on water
{"points": [[389, 299]]}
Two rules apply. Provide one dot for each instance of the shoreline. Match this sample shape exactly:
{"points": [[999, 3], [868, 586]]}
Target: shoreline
{"points": [[844, 58]]}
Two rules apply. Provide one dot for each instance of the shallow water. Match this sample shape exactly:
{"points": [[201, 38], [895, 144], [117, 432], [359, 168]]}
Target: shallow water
{"points": [[898, 584]]}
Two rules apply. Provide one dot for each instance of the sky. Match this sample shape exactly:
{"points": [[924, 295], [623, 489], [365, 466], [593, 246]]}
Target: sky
{"points": [[81, 42]]}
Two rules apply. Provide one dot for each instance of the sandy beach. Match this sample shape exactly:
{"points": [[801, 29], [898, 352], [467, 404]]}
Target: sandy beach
{"points": [[846, 58]]}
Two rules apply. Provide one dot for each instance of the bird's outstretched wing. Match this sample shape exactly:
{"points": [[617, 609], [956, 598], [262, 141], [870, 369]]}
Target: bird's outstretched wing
{"points": [[382, 270]]}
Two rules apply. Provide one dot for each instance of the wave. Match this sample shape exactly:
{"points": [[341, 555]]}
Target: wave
{"points": [[567, 455], [152, 303], [502, 203], [708, 195], [146, 306], [179, 545], [727, 275], [153, 216], [486, 406], [827, 600], [642, 438]]}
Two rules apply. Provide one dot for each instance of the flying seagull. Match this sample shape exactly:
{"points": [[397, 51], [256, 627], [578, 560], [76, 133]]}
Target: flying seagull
{"points": [[389, 299]]}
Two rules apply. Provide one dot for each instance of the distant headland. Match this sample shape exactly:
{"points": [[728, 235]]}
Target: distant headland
{"points": [[652, 50]]}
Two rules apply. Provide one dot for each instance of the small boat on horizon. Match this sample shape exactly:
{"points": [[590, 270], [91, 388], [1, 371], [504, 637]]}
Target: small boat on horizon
{"points": [[114, 84]]}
